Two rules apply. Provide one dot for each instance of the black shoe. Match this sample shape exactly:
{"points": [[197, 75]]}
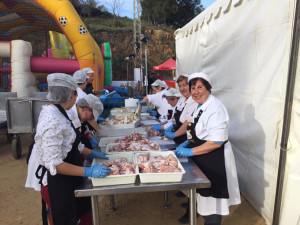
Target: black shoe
{"points": [[185, 205], [179, 194], [185, 219]]}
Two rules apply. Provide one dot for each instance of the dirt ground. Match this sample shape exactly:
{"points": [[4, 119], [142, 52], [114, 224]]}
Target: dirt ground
{"points": [[19, 205]]}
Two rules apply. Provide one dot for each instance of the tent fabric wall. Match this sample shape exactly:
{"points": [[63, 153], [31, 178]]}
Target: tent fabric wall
{"points": [[244, 47]]}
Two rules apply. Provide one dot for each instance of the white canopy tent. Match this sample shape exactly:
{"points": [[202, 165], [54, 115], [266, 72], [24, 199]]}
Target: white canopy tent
{"points": [[244, 46]]}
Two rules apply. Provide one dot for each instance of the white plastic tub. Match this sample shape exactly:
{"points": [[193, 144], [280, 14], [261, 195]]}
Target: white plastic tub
{"points": [[161, 177], [116, 179], [120, 126]]}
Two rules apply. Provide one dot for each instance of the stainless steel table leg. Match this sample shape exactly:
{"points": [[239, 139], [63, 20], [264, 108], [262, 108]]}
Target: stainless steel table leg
{"points": [[193, 206], [166, 205], [95, 210], [112, 203]]}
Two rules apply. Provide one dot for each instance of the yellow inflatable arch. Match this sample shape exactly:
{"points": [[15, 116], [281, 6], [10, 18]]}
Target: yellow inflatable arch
{"points": [[85, 48]]}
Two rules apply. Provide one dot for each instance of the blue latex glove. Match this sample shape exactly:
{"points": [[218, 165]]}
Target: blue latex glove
{"points": [[150, 110], [100, 120], [170, 134], [93, 142], [139, 102], [156, 127], [184, 144], [169, 129], [183, 152], [104, 91], [96, 171], [103, 97], [153, 113], [95, 154]]}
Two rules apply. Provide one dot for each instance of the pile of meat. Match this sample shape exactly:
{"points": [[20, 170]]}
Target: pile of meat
{"points": [[132, 143], [157, 164], [123, 110], [119, 166], [152, 133], [127, 119]]}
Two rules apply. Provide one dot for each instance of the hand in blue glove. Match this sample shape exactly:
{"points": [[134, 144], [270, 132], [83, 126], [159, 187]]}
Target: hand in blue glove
{"points": [[184, 152], [103, 98], [96, 171], [95, 154], [93, 142], [150, 110], [104, 91], [184, 144], [153, 113], [156, 127], [139, 102], [170, 128], [100, 120], [170, 134]]}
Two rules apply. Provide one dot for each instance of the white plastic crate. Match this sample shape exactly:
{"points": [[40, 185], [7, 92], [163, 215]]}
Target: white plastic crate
{"points": [[161, 177], [120, 126], [116, 179]]}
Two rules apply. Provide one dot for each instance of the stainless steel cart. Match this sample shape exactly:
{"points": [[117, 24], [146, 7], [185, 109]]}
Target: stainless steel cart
{"points": [[22, 117]]}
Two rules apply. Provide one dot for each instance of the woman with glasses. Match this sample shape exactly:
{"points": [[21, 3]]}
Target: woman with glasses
{"points": [[56, 150], [185, 107]]}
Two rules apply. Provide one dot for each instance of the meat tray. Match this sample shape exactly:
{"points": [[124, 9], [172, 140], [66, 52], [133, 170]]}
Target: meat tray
{"points": [[164, 144], [120, 126], [116, 179], [112, 153], [107, 140], [117, 111], [119, 132], [160, 177], [149, 122]]}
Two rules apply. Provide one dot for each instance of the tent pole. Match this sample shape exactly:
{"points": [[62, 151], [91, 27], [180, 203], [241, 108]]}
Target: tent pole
{"points": [[287, 113]]}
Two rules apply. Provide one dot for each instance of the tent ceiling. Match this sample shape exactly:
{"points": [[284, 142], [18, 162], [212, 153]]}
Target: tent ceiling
{"points": [[20, 17]]}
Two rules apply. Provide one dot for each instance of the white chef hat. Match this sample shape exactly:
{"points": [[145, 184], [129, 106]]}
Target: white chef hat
{"points": [[80, 76], [159, 82], [199, 75], [88, 70], [61, 80], [93, 102], [172, 92]]}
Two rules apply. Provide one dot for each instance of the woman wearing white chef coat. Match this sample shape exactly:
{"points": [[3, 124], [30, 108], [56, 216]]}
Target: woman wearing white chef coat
{"points": [[56, 160], [184, 109], [159, 88], [209, 148], [172, 95]]}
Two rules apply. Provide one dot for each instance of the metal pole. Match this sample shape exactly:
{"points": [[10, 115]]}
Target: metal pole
{"points": [[95, 210], [146, 70], [192, 203], [287, 113], [127, 77]]}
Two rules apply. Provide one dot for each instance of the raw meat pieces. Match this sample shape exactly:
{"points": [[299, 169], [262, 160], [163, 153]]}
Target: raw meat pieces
{"points": [[119, 166]]}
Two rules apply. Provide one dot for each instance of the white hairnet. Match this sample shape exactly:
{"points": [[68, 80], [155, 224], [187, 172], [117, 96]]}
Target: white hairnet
{"points": [[93, 102], [61, 80], [88, 70], [199, 75], [80, 76], [172, 92], [159, 83]]}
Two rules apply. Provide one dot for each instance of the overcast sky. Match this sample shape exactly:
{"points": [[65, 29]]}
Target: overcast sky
{"points": [[127, 9]]}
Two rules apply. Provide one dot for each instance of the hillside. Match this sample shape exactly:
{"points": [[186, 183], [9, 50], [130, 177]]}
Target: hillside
{"points": [[160, 47]]}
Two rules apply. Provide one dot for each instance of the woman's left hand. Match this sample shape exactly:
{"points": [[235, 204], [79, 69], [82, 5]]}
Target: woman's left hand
{"points": [[184, 152], [95, 154]]}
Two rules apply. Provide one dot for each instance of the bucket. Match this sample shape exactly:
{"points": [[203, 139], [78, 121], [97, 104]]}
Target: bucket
{"points": [[131, 102]]}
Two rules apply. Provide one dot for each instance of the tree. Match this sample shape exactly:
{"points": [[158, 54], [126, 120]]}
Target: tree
{"points": [[116, 6], [170, 12]]}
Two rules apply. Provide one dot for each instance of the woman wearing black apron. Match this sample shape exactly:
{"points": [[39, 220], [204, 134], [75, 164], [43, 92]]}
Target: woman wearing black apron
{"points": [[61, 164], [207, 145], [184, 108]]}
